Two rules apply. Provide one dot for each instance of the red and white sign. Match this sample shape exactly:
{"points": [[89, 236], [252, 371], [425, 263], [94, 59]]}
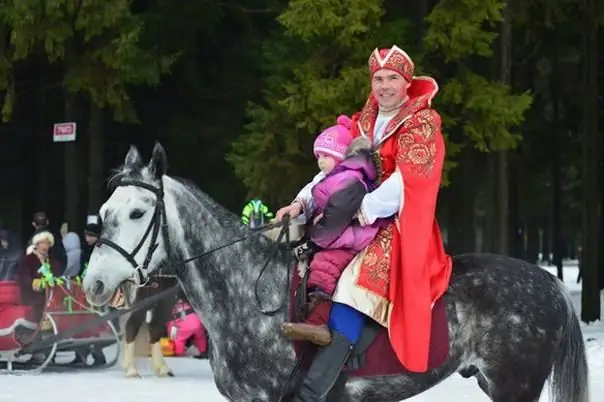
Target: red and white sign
{"points": [[64, 132]]}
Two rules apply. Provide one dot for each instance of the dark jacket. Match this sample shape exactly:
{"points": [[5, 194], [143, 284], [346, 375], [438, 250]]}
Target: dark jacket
{"points": [[57, 251]]}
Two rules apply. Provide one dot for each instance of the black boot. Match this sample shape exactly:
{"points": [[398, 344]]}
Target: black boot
{"points": [[325, 369]]}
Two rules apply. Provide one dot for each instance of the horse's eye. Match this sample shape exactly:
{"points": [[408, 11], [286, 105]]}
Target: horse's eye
{"points": [[137, 214]]}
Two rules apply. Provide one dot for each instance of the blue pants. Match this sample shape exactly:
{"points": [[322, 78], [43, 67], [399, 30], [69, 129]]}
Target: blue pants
{"points": [[347, 321]]}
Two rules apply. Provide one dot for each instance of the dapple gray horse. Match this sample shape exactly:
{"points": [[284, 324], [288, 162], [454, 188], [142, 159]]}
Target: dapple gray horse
{"points": [[512, 324]]}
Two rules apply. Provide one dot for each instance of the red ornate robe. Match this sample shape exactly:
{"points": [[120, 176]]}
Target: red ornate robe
{"points": [[400, 275]]}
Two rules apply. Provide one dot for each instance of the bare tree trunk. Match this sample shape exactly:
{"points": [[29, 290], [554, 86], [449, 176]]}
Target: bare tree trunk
{"points": [[556, 167], [421, 10], [461, 205], [590, 296], [95, 158], [502, 191], [72, 193]]}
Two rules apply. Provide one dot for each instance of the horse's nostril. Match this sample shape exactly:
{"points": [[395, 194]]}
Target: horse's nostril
{"points": [[99, 287]]}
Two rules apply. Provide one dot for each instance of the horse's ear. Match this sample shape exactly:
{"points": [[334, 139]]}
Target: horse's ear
{"points": [[158, 165], [133, 158]]}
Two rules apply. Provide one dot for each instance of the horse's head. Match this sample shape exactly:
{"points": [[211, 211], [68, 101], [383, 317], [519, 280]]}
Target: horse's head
{"points": [[135, 233]]}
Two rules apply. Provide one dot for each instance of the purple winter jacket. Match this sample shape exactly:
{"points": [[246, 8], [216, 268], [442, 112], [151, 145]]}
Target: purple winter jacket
{"points": [[338, 197]]}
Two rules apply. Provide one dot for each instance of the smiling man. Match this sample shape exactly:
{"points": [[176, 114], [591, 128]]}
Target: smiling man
{"points": [[400, 276]]}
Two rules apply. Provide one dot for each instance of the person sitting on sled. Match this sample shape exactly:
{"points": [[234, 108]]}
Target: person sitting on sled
{"points": [[185, 326], [334, 234]]}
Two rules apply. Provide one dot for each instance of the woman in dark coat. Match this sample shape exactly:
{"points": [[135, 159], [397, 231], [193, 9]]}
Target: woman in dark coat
{"points": [[37, 263]]}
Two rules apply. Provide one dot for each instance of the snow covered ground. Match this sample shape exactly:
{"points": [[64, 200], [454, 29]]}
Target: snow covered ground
{"points": [[194, 383]]}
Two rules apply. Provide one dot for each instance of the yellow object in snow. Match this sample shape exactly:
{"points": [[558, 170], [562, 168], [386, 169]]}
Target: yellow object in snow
{"points": [[167, 347]]}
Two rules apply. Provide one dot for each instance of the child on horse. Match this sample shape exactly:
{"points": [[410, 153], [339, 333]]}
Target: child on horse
{"points": [[335, 236]]}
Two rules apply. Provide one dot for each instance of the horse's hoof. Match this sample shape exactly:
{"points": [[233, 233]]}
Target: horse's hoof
{"points": [[133, 374], [164, 372]]}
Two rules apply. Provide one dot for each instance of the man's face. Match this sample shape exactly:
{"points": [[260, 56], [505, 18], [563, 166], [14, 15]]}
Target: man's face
{"points": [[4, 243], [90, 240], [389, 88]]}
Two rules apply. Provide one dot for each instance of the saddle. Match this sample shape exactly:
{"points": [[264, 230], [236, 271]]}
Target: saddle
{"points": [[304, 252]]}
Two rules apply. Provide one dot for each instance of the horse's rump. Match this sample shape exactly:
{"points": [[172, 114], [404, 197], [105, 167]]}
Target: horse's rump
{"points": [[377, 357]]}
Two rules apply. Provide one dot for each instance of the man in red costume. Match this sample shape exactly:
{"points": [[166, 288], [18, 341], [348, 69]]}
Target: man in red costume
{"points": [[400, 275]]}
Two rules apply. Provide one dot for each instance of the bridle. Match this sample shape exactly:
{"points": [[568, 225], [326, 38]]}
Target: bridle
{"points": [[158, 222]]}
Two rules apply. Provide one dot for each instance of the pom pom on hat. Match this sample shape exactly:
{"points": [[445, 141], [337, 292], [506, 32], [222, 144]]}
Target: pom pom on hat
{"points": [[345, 121]]}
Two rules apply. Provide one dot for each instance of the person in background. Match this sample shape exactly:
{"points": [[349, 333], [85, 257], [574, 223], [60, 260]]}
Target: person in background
{"points": [[255, 214], [186, 326], [92, 232], [73, 250], [41, 223], [38, 269], [10, 256]]}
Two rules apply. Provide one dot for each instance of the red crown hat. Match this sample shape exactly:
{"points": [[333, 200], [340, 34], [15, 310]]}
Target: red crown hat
{"points": [[394, 59]]}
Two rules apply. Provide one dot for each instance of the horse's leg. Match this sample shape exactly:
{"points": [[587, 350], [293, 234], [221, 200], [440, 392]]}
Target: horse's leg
{"points": [[131, 331], [506, 384], [156, 330]]}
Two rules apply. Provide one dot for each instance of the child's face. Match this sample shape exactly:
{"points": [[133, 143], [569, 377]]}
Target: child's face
{"points": [[326, 163]]}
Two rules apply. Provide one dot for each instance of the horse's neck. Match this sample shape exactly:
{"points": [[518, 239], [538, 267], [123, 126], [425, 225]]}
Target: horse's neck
{"points": [[223, 284]]}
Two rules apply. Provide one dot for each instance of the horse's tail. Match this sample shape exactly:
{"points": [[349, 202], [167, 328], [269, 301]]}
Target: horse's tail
{"points": [[569, 379]]}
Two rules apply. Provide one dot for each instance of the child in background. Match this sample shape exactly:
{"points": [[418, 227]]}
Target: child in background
{"points": [[186, 326]]}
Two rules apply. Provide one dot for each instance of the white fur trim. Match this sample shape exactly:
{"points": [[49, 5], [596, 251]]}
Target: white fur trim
{"points": [[19, 322], [45, 235]]}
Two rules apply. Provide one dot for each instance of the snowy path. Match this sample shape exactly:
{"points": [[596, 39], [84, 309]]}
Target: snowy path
{"points": [[194, 383]]}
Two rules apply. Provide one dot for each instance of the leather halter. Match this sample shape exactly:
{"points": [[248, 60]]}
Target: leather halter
{"points": [[158, 222]]}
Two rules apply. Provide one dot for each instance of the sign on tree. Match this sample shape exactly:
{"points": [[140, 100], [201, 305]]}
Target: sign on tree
{"points": [[64, 132]]}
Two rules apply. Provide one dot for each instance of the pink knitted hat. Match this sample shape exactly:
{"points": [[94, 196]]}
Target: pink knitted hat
{"points": [[335, 140]]}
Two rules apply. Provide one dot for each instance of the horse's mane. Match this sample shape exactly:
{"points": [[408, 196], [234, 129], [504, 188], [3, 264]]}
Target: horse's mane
{"points": [[227, 219]]}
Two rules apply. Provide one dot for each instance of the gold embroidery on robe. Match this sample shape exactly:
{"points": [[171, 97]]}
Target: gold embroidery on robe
{"points": [[375, 273], [417, 146]]}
